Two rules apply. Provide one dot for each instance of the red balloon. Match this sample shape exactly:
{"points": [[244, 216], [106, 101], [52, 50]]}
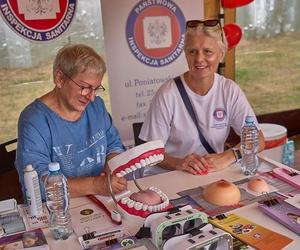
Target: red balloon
{"points": [[233, 34], [234, 3]]}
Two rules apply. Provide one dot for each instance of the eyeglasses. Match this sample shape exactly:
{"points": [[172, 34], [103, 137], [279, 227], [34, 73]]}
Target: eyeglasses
{"points": [[86, 90], [206, 23]]}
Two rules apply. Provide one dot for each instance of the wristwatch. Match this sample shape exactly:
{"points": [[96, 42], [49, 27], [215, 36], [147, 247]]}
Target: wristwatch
{"points": [[237, 154]]}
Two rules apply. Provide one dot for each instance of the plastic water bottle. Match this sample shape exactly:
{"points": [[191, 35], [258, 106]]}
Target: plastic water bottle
{"points": [[57, 197], [288, 155], [32, 191], [249, 146]]}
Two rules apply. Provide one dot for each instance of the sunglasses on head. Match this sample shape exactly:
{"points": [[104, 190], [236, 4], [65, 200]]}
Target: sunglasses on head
{"points": [[206, 23]]}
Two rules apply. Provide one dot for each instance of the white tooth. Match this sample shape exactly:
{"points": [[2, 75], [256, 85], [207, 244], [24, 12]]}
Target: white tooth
{"points": [[128, 170], [125, 200], [164, 197], [148, 162], [145, 207], [155, 208], [123, 172], [160, 157], [151, 188], [133, 167], [158, 191], [143, 163], [162, 193], [130, 203], [152, 160], [138, 206], [138, 165], [120, 174], [150, 208]]}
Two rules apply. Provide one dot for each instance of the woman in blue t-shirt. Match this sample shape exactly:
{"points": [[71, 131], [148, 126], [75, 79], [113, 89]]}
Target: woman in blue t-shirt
{"points": [[71, 125]]}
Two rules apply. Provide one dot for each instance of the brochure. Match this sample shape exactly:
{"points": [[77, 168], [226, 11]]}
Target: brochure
{"points": [[284, 213], [93, 226], [33, 240], [251, 233]]}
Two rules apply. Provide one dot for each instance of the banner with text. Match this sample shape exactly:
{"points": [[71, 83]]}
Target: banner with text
{"points": [[144, 47], [38, 21]]}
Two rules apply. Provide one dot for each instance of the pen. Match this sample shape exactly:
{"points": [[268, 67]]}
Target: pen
{"points": [[114, 215]]}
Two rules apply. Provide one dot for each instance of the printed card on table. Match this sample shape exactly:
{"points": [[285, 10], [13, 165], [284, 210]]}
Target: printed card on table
{"points": [[251, 233], [87, 217], [34, 240]]}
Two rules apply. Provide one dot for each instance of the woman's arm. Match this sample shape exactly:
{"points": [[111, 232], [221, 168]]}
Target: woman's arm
{"points": [[95, 185], [81, 186], [220, 161], [196, 164]]}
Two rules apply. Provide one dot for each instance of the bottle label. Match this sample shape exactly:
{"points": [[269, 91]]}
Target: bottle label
{"points": [[66, 193]]}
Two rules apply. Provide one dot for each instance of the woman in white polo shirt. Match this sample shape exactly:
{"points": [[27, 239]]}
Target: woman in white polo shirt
{"points": [[218, 104]]}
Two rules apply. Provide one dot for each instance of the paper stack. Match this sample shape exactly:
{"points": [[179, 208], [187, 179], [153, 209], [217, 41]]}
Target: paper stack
{"points": [[10, 219]]}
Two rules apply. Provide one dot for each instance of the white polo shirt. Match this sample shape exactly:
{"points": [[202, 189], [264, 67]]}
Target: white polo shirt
{"points": [[224, 106]]}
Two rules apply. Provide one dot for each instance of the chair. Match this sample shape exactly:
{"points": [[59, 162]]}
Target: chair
{"points": [[136, 131], [9, 178]]}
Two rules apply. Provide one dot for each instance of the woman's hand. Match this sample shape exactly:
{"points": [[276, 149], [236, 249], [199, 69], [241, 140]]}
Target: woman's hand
{"points": [[193, 164], [199, 165], [217, 162], [118, 184]]}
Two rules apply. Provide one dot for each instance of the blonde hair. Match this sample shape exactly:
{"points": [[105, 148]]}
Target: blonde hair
{"points": [[215, 32], [76, 58]]}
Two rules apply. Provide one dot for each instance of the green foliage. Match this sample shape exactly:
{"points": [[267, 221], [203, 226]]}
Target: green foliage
{"points": [[268, 72]]}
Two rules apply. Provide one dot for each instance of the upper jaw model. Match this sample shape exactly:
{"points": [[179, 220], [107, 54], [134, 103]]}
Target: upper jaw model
{"points": [[139, 205]]}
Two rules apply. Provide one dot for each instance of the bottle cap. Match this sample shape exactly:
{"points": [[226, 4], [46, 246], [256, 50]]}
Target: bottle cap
{"points": [[249, 119], [28, 168], [54, 166]]}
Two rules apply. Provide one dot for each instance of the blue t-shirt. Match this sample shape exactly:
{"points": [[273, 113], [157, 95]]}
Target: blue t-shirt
{"points": [[80, 146]]}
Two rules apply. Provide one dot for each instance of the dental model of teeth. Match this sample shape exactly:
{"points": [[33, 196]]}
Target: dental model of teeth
{"points": [[145, 155]]}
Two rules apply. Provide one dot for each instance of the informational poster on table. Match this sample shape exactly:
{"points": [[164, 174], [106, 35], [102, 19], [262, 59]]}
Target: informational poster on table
{"points": [[144, 47]]}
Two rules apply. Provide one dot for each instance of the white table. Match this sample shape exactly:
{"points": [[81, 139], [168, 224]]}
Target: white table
{"points": [[175, 181]]}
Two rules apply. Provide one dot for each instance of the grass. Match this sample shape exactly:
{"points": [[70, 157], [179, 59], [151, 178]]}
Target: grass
{"points": [[268, 72], [266, 69], [21, 86]]}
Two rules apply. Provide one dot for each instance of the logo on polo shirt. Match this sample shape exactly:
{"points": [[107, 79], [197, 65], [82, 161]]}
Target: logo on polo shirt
{"points": [[219, 114], [38, 20], [155, 32]]}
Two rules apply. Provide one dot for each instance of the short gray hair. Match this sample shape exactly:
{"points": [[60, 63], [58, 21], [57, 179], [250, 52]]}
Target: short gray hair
{"points": [[76, 58]]}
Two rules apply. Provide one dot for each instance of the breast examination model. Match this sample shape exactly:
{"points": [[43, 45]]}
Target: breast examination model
{"points": [[222, 193], [258, 185]]}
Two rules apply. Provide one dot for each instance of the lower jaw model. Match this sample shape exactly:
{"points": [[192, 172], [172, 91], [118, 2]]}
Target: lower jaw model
{"points": [[139, 205]]}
